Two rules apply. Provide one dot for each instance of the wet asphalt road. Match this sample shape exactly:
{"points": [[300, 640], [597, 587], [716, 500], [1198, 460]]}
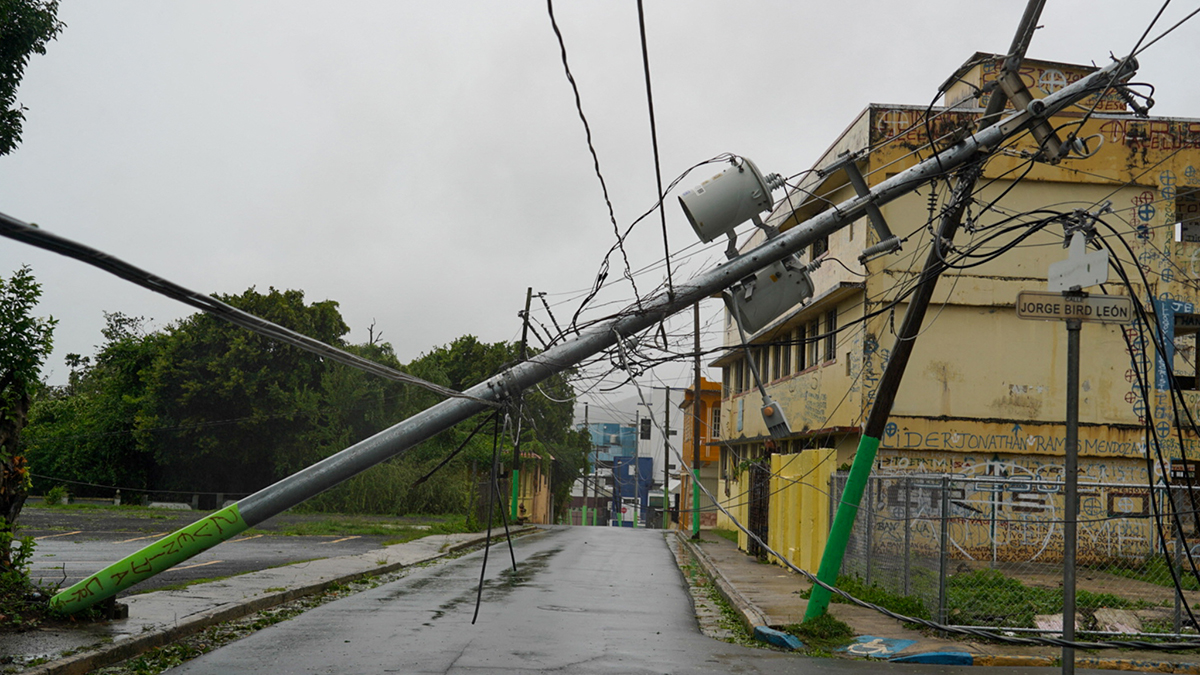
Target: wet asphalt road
{"points": [[72, 544], [584, 600]]}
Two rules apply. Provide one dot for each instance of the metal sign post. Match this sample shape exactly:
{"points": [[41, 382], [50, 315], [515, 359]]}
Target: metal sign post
{"points": [[1079, 270]]}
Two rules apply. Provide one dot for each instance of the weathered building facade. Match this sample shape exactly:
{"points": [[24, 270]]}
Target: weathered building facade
{"points": [[985, 391]]}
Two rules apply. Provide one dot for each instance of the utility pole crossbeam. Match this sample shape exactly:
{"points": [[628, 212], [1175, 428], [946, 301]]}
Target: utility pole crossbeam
{"points": [[507, 385]]}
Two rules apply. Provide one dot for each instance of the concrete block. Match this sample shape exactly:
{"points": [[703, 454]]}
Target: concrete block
{"points": [[778, 638], [1119, 620], [1053, 622]]}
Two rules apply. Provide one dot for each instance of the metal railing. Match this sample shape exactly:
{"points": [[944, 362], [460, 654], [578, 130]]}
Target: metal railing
{"points": [[988, 551]]}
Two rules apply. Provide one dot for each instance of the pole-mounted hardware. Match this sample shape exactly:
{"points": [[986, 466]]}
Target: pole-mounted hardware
{"points": [[888, 242], [772, 413]]}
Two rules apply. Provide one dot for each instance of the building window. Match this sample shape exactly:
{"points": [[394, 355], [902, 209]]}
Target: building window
{"points": [[801, 349], [725, 381], [1187, 216], [814, 346], [739, 378], [785, 355], [831, 335], [716, 422], [776, 361], [1185, 351]]}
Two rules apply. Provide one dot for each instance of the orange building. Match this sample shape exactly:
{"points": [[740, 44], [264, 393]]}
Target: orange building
{"points": [[709, 412]]}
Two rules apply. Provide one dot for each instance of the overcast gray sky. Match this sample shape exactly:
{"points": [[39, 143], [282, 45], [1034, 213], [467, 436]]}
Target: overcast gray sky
{"points": [[422, 163]]}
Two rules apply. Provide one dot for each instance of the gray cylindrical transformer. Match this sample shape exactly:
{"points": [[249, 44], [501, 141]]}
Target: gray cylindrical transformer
{"points": [[728, 199]]}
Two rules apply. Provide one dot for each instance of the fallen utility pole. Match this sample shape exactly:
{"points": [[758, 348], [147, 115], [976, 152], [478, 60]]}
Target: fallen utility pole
{"points": [[506, 386]]}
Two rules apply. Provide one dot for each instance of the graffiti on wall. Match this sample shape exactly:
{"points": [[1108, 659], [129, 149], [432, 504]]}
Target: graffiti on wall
{"points": [[1051, 440], [1160, 134], [1006, 508]]}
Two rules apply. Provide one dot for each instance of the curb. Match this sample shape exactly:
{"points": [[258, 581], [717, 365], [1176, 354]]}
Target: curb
{"points": [[108, 654], [997, 660], [750, 615], [752, 618], [969, 659]]}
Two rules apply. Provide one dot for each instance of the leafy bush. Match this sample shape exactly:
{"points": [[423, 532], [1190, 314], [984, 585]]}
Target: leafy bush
{"points": [[56, 495], [21, 603]]}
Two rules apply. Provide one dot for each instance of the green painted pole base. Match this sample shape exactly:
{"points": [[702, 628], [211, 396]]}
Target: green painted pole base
{"points": [[157, 557], [516, 485], [843, 524]]}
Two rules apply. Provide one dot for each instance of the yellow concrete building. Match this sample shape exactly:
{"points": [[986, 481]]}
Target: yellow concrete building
{"points": [[984, 394], [709, 412]]}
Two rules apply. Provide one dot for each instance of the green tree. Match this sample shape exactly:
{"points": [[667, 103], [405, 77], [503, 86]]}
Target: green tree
{"points": [[85, 431], [25, 28], [224, 405], [25, 341]]}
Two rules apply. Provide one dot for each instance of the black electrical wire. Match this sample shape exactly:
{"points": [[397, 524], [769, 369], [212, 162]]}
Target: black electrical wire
{"points": [[654, 143], [35, 236], [1166, 32], [612, 216]]}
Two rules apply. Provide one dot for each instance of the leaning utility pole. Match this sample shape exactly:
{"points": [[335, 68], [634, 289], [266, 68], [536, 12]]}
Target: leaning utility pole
{"points": [[1010, 85], [506, 386], [516, 458]]}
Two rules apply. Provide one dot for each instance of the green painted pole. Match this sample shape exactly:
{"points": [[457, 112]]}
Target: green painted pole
{"points": [[695, 503], [885, 395], [516, 491], [843, 525], [157, 557]]}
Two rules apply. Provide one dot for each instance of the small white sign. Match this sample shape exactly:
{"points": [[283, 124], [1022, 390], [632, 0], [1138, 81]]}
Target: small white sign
{"points": [[1081, 269]]}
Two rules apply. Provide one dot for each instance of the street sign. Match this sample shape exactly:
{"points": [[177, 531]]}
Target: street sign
{"points": [[1080, 269], [1044, 306]]}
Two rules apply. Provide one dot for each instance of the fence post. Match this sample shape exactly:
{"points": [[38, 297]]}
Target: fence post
{"points": [[1179, 544], [945, 538], [907, 532], [870, 538]]}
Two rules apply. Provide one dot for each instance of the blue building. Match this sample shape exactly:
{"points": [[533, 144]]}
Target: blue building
{"points": [[612, 440], [632, 480]]}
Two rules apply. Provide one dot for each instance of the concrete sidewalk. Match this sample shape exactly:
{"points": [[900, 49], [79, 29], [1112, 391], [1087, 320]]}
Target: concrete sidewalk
{"points": [[161, 617], [770, 595]]}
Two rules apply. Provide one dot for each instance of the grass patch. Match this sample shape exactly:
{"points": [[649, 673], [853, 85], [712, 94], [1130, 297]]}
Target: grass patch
{"points": [[877, 595], [1156, 571], [731, 535], [126, 510], [822, 635], [988, 598]]}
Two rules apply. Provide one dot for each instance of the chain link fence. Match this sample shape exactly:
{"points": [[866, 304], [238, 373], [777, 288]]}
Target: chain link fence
{"points": [[988, 551]]}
